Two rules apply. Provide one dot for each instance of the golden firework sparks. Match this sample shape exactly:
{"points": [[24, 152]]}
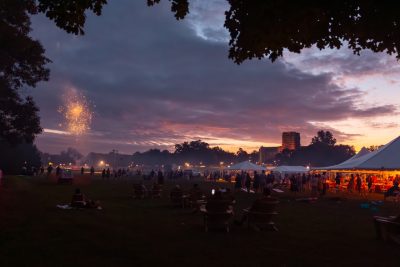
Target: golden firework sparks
{"points": [[76, 112]]}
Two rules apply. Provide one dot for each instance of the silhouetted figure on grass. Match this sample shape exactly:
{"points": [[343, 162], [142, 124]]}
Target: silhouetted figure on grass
{"points": [[58, 171], [247, 182], [238, 181], [256, 182], [160, 177], [358, 183], [49, 170], [393, 191]]}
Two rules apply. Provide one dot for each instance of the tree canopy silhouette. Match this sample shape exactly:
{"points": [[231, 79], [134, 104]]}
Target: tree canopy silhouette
{"points": [[324, 137], [258, 29], [265, 28], [322, 151], [22, 59], [22, 63]]}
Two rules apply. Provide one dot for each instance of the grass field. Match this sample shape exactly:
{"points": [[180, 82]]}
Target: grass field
{"points": [[150, 232]]}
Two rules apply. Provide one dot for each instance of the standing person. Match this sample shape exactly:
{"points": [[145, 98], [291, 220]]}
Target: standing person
{"points": [[160, 177], [337, 181], [92, 171], [103, 174], [324, 184], [238, 182], [256, 182], [58, 171], [271, 179], [314, 185], [350, 185], [82, 171], [263, 180], [303, 182], [41, 170], [247, 183], [108, 173], [358, 183], [49, 170], [369, 183], [152, 174]]}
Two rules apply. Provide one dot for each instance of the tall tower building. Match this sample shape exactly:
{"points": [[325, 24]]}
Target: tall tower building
{"points": [[290, 140]]}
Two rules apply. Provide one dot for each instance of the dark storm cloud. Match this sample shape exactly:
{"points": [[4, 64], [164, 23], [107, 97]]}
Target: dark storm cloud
{"points": [[155, 82]]}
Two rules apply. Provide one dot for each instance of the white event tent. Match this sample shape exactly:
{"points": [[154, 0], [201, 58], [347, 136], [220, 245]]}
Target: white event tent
{"points": [[246, 166], [385, 158], [290, 169], [347, 164]]}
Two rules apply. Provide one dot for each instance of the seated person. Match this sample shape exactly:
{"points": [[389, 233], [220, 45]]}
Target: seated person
{"points": [[195, 190], [91, 204], [259, 205], [176, 190], [156, 187], [156, 190], [227, 195], [393, 191], [266, 199], [78, 199], [218, 203], [139, 190], [176, 194]]}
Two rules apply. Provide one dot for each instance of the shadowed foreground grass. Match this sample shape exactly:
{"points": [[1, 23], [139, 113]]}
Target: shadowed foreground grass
{"points": [[128, 232]]}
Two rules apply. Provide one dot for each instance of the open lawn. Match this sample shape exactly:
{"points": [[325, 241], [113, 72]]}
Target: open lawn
{"points": [[151, 232]]}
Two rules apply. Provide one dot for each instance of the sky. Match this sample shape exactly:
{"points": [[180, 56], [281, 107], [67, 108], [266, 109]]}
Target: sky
{"points": [[151, 81]]}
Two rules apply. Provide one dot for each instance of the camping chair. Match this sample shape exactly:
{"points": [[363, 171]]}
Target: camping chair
{"points": [[217, 214], [176, 197], [260, 215], [156, 191], [139, 192], [387, 229], [195, 199]]}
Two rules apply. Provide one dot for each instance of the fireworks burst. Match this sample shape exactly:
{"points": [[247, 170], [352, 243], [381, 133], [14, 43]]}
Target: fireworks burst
{"points": [[76, 112]]}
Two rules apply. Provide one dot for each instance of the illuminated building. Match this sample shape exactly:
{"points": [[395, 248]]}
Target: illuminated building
{"points": [[290, 140]]}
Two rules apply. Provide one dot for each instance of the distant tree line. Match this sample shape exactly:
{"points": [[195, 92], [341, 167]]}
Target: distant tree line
{"points": [[194, 152], [14, 157], [322, 151], [71, 155]]}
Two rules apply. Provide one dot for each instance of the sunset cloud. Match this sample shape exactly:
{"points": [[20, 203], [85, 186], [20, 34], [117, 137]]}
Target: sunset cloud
{"points": [[156, 81]]}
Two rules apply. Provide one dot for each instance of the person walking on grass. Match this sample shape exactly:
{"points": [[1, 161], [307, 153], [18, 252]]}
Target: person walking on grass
{"points": [[248, 182], [263, 180], [358, 183], [350, 185], [256, 182], [238, 181], [369, 183], [314, 185]]}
